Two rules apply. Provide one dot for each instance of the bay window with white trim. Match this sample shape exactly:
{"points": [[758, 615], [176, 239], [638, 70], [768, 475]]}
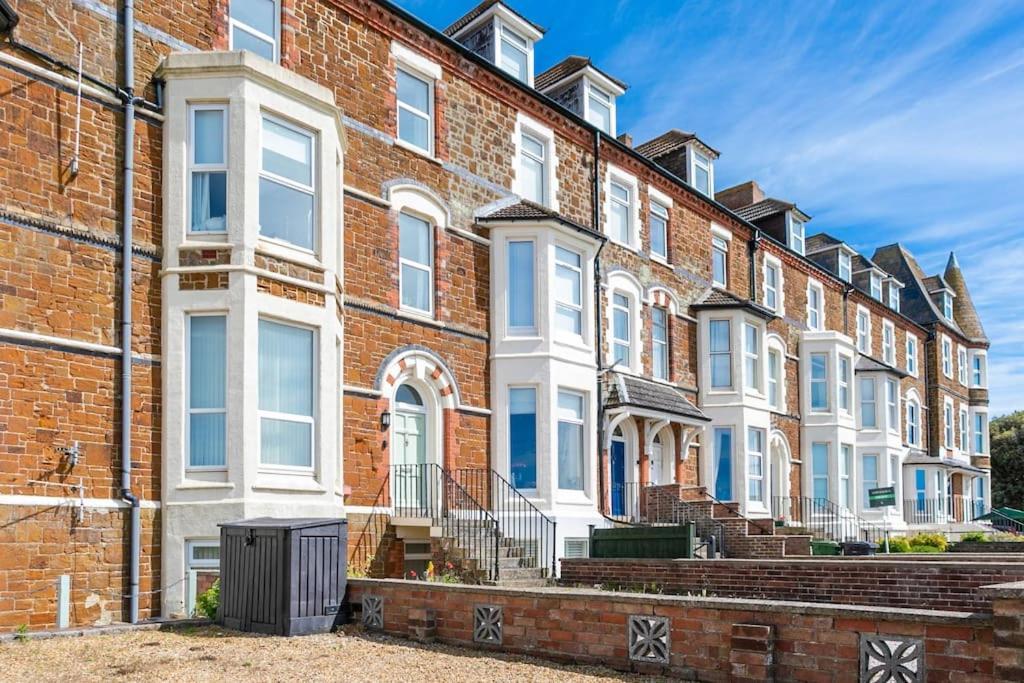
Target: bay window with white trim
{"points": [[845, 378], [206, 419], [845, 475], [981, 435], [287, 361], [521, 286], [892, 405], [819, 383], [868, 404], [755, 465], [979, 372], [869, 476], [522, 429], [568, 293], [720, 349], [256, 27], [287, 188], [752, 357], [208, 168], [571, 440]]}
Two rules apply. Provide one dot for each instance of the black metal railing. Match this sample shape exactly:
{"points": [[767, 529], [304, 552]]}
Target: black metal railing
{"points": [[625, 504], [710, 531], [937, 510], [526, 531], [826, 519], [427, 491], [366, 558]]}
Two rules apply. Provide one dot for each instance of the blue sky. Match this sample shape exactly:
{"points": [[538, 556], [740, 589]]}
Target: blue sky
{"points": [[885, 121]]}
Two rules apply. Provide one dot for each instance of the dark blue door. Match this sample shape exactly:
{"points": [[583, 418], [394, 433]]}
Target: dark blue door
{"points": [[618, 464]]}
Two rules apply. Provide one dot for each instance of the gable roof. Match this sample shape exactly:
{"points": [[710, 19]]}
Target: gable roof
{"points": [[719, 298], [767, 207], [632, 390], [963, 307], [470, 16], [527, 211], [567, 67], [669, 142]]}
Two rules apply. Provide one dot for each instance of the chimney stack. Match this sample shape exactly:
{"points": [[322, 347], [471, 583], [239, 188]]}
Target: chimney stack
{"points": [[741, 195], [626, 139]]}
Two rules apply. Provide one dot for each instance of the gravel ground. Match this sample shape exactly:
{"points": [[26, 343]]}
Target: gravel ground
{"points": [[212, 654]]}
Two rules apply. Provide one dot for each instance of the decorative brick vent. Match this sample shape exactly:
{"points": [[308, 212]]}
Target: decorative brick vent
{"points": [[373, 611], [648, 639], [891, 658], [487, 623]]}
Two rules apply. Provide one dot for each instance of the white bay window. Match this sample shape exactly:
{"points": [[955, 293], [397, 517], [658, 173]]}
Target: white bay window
{"points": [[207, 390], [568, 292], [287, 184], [520, 288], [208, 170], [286, 363]]}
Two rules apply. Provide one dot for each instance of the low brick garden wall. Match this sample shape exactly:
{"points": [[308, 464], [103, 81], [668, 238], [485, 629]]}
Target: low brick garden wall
{"points": [[987, 547], [707, 639], [915, 584]]}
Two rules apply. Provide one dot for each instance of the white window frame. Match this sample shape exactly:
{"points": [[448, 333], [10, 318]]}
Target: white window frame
{"points": [[796, 233], [193, 167], [426, 115], [979, 376], [275, 39], [662, 372], [824, 380], [965, 418], [980, 435], [190, 560], [864, 402], [719, 249], [845, 266], [727, 353], [569, 305], [582, 422], [290, 417], [889, 343], [630, 311], [947, 420], [892, 405], [876, 286], [310, 189], [519, 40], [776, 379], [423, 69], [774, 265], [429, 269], [517, 330], [697, 158], [536, 431], [607, 98], [844, 378], [947, 305], [659, 212], [913, 425], [628, 182], [755, 475], [189, 410], [863, 332], [815, 315], [865, 482], [546, 136], [894, 296], [947, 356], [911, 355], [961, 365], [752, 358], [845, 474]]}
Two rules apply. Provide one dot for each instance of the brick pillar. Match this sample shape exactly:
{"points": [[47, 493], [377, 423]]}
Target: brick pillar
{"points": [[644, 463], [449, 459], [1008, 631], [605, 465], [422, 624], [752, 653], [680, 471]]}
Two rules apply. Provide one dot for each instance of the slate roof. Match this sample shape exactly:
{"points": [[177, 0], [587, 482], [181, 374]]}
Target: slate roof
{"points": [[820, 241], [669, 142], [472, 14], [934, 283], [869, 364], [719, 298], [861, 262], [630, 390], [963, 307], [916, 301], [568, 67], [767, 207], [525, 210]]}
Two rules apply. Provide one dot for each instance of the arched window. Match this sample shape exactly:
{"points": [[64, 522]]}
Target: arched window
{"points": [[409, 396]]}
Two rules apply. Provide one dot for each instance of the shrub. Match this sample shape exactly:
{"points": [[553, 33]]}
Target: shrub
{"points": [[207, 603], [975, 537], [924, 549], [929, 540], [898, 544], [1006, 536]]}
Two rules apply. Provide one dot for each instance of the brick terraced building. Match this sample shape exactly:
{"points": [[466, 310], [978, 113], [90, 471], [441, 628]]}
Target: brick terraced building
{"points": [[405, 276]]}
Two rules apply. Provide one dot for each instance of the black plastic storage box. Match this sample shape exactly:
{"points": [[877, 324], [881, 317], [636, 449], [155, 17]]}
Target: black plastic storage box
{"points": [[282, 576]]}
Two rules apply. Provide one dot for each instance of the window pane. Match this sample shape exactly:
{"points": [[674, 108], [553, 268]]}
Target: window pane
{"points": [[206, 443], [513, 59], [415, 288], [209, 201], [258, 14], [287, 152], [414, 239], [286, 443], [567, 285], [723, 464], [658, 235], [569, 320], [413, 91], [870, 476], [532, 180], [244, 40], [701, 179], [520, 284], [570, 441], [533, 146], [620, 222], [718, 266], [523, 437], [719, 335], [207, 361], [819, 453], [208, 136], [285, 369], [413, 128], [286, 213], [600, 115]]}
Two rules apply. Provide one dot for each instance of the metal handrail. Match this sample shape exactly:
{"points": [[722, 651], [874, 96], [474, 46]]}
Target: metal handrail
{"points": [[828, 519], [367, 546], [428, 491], [517, 517], [1006, 523]]}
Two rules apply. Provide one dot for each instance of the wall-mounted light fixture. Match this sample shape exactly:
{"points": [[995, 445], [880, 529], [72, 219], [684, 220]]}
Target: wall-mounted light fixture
{"points": [[385, 420]]}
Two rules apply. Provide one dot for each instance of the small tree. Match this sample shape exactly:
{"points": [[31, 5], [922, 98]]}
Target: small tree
{"points": [[1006, 445]]}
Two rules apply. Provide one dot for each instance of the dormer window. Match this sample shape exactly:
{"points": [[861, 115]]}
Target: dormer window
{"points": [[701, 172], [514, 53], [894, 297], [796, 233], [845, 266], [599, 108], [947, 305], [876, 286]]}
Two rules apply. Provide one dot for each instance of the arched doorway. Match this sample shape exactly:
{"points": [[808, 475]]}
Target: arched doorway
{"points": [[618, 472], [780, 500], [409, 450], [662, 468]]}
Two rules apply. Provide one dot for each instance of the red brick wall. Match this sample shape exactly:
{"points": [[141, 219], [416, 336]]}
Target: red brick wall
{"points": [[911, 585], [807, 643]]}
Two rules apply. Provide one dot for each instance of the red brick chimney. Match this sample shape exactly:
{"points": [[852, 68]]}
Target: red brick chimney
{"points": [[740, 195], [626, 139]]}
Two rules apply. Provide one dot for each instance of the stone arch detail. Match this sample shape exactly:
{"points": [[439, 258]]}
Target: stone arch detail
{"points": [[421, 362]]}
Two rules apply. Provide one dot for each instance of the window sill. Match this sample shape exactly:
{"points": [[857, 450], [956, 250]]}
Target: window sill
{"points": [[624, 245], [418, 316], [297, 482], [418, 151], [195, 485], [572, 497], [288, 252], [657, 258], [204, 240]]}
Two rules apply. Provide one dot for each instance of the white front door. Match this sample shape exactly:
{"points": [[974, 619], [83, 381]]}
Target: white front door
{"points": [[409, 460], [656, 464]]}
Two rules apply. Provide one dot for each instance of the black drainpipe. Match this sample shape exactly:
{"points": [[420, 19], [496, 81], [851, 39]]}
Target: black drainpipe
{"points": [[596, 224], [846, 309], [752, 245]]}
